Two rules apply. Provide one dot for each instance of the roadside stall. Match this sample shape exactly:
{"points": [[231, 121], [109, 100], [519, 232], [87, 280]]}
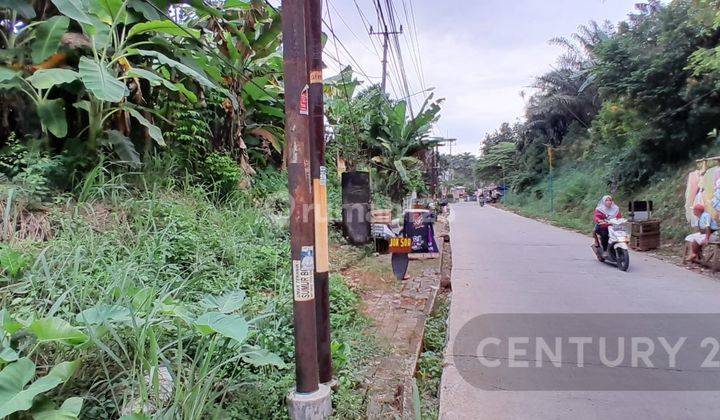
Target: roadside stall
{"points": [[416, 240], [645, 230], [703, 187]]}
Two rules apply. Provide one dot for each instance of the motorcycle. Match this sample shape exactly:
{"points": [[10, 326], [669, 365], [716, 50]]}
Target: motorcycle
{"points": [[619, 237]]}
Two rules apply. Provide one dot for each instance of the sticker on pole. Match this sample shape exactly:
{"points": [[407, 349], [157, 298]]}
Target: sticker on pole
{"points": [[303, 283], [307, 258], [304, 101], [323, 175], [316, 76]]}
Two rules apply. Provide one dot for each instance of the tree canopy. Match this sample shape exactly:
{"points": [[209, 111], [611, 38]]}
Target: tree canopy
{"points": [[635, 96]]}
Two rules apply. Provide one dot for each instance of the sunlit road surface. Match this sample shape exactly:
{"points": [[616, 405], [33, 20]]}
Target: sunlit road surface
{"points": [[507, 264]]}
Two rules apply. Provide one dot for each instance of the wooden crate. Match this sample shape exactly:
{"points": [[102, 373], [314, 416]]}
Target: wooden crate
{"points": [[648, 227], [645, 242], [709, 256]]}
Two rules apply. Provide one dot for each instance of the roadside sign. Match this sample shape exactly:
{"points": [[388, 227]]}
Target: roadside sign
{"points": [[400, 245]]}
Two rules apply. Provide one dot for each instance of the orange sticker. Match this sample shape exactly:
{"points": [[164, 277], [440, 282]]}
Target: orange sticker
{"points": [[316, 76]]}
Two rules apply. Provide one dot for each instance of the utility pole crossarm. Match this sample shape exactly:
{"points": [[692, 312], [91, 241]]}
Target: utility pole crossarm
{"points": [[386, 36]]}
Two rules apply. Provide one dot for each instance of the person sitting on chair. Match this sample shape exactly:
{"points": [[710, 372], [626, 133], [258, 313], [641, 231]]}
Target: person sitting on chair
{"points": [[605, 210], [706, 231]]}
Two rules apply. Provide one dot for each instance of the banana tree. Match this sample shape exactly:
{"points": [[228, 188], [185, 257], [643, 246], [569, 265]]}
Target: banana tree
{"points": [[21, 40], [354, 118], [399, 151], [121, 54], [37, 87], [247, 36]]}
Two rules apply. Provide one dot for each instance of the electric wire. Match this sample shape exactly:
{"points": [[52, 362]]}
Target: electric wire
{"points": [[399, 64], [393, 72], [339, 15], [413, 44], [344, 89]]}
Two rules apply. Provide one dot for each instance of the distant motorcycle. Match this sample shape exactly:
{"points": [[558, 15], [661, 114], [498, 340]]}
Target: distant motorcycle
{"points": [[619, 237]]}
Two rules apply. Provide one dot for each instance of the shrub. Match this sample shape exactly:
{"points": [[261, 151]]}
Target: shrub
{"points": [[30, 168], [189, 136], [222, 173], [13, 262]]}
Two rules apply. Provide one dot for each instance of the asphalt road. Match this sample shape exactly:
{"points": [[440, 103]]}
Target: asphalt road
{"points": [[507, 264]]}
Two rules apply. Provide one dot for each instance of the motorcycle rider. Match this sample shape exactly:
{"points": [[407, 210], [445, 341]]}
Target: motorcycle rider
{"points": [[707, 227], [605, 210]]}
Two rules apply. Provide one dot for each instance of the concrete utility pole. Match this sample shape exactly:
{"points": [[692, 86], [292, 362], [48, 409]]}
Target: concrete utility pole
{"points": [[309, 400], [442, 142], [451, 142], [386, 35], [313, 28], [550, 178], [435, 170]]}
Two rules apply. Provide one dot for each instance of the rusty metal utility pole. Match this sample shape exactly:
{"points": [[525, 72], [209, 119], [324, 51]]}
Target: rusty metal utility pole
{"points": [[301, 213], [309, 399], [313, 28]]}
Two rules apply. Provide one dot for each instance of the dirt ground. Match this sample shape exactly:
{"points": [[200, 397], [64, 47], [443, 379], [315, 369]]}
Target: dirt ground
{"points": [[398, 310]]}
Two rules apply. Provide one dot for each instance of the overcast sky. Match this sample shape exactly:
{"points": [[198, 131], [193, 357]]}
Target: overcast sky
{"points": [[477, 54]]}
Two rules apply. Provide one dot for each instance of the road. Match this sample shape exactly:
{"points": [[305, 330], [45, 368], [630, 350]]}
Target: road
{"points": [[507, 264]]}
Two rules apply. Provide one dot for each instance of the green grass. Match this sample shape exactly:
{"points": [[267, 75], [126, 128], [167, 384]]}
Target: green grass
{"points": [[157, 248], [430, 364], [576, 193]]}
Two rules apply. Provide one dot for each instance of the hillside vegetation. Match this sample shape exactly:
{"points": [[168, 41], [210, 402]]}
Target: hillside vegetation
{"points": [[625, 111]]}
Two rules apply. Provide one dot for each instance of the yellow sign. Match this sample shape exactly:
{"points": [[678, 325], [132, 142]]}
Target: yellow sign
{"points": [[400, 245]]}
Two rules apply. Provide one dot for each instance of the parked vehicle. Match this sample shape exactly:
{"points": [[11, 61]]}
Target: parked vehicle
{"points": [[617, 252]]}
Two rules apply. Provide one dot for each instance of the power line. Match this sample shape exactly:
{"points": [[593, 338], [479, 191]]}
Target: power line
{"points": [[415, 48], [338, 41], [343, 64], [344, 88], [385, 32], [368, 28], [397, 58], [335, 38], [346, 52], [330, 5], [399, 70], [399, 64]]}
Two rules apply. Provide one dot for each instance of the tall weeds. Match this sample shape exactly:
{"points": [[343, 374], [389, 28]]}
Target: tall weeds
{"points": [[182, 296]]}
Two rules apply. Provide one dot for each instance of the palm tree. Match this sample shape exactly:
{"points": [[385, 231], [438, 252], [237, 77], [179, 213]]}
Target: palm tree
{"points": [[568, 93]]}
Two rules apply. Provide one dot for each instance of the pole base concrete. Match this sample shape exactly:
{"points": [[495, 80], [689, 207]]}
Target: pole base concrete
{"points": [[314, 406], [332, 384]]}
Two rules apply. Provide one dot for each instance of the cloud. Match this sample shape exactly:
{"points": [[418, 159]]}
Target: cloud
{"points": [[478, 55]]}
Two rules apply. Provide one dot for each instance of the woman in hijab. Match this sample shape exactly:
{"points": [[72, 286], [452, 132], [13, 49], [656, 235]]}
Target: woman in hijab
{"points": [[605, 210]]}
